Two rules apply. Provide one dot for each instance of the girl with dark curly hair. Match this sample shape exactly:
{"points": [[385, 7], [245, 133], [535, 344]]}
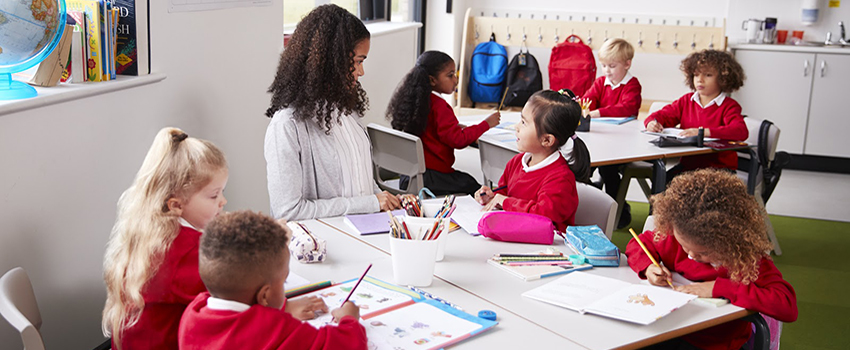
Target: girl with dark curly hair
{"points": [[416, 108], [712, 75], [318, 156], [710, 230], [539, 180]]}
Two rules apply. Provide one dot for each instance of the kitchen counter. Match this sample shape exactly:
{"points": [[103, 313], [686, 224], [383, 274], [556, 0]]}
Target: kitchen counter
{"points": [[836, 49]]}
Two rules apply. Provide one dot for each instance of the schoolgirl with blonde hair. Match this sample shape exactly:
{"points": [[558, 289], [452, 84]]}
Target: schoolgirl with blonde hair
{"points": [[151, 261]]}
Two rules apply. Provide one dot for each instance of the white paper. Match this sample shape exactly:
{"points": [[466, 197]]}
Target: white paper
{"points": [[418, 326], [294, 281], [368, 297], [467, 214]]}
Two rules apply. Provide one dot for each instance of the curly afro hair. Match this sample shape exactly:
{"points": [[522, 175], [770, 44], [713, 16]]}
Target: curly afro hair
{"points": [[730, 74], [239, 251], [411, 103], [314, 75], [713, 209]]}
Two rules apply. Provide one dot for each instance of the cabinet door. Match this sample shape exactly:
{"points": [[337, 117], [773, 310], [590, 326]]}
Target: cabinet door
{"points": [[829, 120], [777, 89]]}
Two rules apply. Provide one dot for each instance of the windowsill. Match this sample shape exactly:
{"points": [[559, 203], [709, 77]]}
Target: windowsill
{"points": [[68, 92], [378, 28]]}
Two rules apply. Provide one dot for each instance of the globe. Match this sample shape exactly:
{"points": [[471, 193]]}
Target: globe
{"points": [[29, 31]]}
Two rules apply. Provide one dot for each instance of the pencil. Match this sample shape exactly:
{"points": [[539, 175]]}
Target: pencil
{"points": [[502, 103], [497, 189], [355, 285], [647, 252], [294, 292]]}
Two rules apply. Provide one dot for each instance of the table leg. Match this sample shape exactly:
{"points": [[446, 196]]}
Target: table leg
{"points": [[659, 175]]}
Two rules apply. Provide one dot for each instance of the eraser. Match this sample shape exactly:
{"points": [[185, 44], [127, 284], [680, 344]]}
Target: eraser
{"points": [[487, 315]]}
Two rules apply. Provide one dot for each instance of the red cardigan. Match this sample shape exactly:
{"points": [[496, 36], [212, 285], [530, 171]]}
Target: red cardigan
{"points": [[166, 295], [769, 294], [624, 101], [549, 191], [724, 121], [262, 327], [443, 134]]}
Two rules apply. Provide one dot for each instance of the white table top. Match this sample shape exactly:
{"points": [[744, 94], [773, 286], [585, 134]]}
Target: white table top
{"points": [[607, 143], [465, 267], [348, 257]]}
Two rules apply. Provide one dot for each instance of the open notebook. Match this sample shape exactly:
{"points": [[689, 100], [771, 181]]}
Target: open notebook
{"points": [[467, 214], [396, 318], [604, 296]]}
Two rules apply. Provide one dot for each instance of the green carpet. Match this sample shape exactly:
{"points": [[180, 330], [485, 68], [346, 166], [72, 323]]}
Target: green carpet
{"points": [[813, 262]]}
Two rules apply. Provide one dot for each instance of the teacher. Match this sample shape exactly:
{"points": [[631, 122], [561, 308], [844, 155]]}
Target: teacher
{"points": [[318, 155]]}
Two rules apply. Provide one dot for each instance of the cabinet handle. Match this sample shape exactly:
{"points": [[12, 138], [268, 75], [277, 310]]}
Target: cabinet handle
{"points": [[822, 68], [805, 68]]}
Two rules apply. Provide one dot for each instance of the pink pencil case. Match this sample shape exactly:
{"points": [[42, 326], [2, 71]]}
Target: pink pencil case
{"points": [[510, 226]]}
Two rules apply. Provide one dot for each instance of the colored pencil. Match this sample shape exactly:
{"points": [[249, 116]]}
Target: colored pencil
{"points": [[527, 255], [645, 250], [355, 285], [534, 263], [502, 103], [294, 292]]}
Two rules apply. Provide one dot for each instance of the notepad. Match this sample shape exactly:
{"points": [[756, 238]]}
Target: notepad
{"points": [[612, 120], [674, 133], [398, 318], [604, 296], [467, 214], [368, 224]]}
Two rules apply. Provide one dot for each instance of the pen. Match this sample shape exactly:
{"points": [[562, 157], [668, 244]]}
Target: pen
{"points": [[497, 189], [645, 250], [355, 285]]}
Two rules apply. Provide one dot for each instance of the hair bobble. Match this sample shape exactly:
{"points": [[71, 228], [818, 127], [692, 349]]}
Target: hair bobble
{"points": [[177, 138], [567, 93], [574, 137]]}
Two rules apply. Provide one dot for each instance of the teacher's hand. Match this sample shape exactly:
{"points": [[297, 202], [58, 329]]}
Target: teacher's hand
{"points": [[388, 201]]}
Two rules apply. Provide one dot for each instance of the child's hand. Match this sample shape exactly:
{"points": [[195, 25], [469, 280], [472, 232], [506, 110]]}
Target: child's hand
{"points": [[347, 309], [305, 308], [654, 126], [495, 203], [694, 132], [658, 276], [388, 201], [594, 114], [484, 195], [701, 289], [494, 119]]}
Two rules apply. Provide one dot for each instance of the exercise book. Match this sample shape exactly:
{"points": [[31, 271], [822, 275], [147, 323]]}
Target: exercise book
{"points": [[609, 297], [536, 272], [397, 318], [369, 224], [612, 120]]}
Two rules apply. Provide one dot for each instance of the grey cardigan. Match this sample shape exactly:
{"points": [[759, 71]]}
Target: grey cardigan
{"points": [[304, 171]]}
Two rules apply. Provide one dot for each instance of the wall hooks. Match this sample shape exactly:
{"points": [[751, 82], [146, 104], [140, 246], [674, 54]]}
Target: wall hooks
{"points": [[539, 34], [508, 36], [640, 39], [476, 32], [589, 38], [676, 40], [694, 42], [711, 44], [657, 40], [524, 37], [557, 38], [606, 35], [623, 34]]}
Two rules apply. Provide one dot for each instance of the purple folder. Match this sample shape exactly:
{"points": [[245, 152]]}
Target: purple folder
{"points": [[367, 224]]}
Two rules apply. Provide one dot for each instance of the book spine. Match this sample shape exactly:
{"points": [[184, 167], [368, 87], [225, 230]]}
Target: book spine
{"points": [[94, 58], [126, 62]]}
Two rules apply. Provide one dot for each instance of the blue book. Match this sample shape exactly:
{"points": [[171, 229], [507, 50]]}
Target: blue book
{"points": [[615, 121]]}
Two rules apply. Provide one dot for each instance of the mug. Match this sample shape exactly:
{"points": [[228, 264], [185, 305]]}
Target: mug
{"points": [[753, 27]]}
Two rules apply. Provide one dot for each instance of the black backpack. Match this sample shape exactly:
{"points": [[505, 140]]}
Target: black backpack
{"points": [[524, 79]]}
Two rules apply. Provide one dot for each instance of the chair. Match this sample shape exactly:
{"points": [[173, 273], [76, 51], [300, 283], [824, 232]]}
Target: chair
{"points": [[760, 168], [19, 307], [494, 158], [595, 207], [397, 153]]}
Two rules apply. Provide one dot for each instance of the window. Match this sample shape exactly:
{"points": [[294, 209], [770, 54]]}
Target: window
{"points": [[294, 10]]}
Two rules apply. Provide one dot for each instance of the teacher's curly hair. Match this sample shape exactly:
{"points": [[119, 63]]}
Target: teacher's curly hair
{"points": [[314, 75]]}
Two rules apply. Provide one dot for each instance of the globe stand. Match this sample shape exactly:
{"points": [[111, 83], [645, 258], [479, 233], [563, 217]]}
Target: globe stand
{"points": [[14, 90]]}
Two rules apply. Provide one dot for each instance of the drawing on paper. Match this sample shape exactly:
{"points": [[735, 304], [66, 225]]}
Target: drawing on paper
{"points": [[642, 299]]}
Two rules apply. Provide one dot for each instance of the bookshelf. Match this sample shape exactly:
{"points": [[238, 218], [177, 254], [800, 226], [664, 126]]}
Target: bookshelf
{"points": [[68, 92]]}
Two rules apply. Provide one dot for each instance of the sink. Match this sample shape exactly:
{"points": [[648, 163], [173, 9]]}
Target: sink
{"points": [[819, 44]]}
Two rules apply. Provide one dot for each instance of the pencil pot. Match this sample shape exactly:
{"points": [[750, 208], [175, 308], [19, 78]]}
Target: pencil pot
{"points": [[419, 226], [584, 122], [413, 261]]}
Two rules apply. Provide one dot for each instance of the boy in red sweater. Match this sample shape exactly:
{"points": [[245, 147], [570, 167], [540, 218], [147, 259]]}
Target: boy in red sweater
{"points": [[712, 75], [244, 261], [539, 180], [615, 94], [711, 231]]}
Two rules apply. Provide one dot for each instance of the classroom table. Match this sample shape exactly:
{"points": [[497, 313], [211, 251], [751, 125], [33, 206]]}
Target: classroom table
{"points": [[465, 267], [348, 257], [608, 144]]}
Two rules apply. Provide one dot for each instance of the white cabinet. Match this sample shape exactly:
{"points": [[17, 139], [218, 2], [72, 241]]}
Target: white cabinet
{"points": [[802, 93]]}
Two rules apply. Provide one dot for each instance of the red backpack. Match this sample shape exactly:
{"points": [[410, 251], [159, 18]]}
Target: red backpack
{"points": [[572, 66]]}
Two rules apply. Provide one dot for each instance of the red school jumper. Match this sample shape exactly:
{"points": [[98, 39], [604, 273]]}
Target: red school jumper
{"points": [[549, 191], [624, 101], [443, 134], [769, 294], [724, 121], [166, 296], [262, 327]]}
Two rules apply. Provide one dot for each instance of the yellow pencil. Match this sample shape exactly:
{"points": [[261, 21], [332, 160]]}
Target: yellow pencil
{"points": [[647, 252], [502, 103]]}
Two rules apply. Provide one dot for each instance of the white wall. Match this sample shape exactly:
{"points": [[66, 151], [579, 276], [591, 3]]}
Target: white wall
{"points": [[64, 166]]}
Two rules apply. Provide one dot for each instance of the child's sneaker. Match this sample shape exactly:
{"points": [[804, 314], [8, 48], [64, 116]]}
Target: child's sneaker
{"points": [[625, 216]]}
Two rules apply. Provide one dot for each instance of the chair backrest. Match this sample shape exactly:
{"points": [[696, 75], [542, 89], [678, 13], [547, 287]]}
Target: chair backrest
{"points": [[595, 208], [19, 307], [494, 158], [649, 224], [397, 152], [765, 136], [655, 106]]}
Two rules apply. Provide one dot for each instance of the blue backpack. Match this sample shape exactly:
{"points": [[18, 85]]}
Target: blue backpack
{"points": [[489, 67]]}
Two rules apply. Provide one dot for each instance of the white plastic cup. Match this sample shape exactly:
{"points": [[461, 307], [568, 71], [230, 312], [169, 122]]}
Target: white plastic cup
{"points": [[413, 261], [414, 224]]}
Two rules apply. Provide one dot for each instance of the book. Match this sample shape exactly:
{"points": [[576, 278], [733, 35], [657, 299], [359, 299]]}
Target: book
{"points": [[369, 224], [398, 318], [536, 272], [613, 120], [49, 71], [80, 51], [609, 297], [94, 51], [674, 133], [468, 213], [132, 47]]}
